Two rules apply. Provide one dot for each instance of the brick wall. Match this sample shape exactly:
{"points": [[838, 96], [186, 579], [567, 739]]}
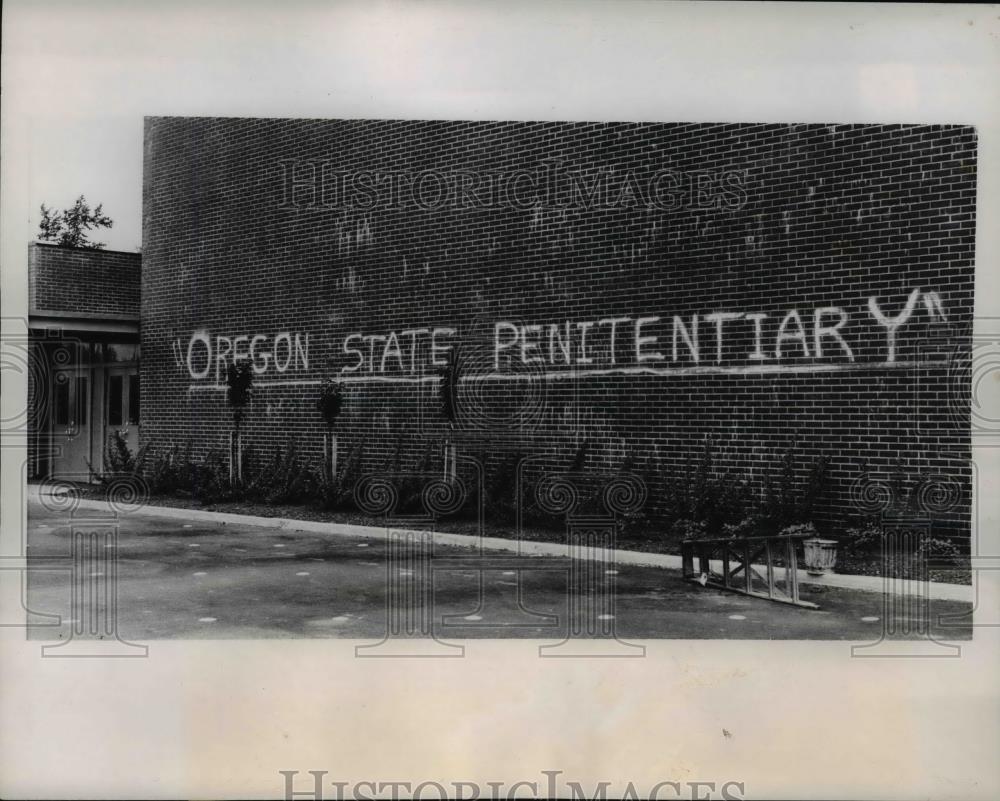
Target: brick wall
{"points": [[802, 234], [80, 280]]}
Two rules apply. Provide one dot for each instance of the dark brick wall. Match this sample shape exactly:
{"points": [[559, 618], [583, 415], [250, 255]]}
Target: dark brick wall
{"points": [[80, 280], [750, 219]]}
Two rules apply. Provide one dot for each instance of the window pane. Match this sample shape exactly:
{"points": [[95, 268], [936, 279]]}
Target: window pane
{"points": [[121, 352], [133, 399], [62, 399], [82, 399], [115, 387]]}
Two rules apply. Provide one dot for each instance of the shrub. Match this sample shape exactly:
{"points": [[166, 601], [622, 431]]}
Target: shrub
{"points": [[784, 503], [337, 492], [745, 527], [206, 480], [871, 533], [164, 470], [500, 482], [778, 505], [291, 481], [689, 529], [283, 478], [632, 523], [212, 479], [798, 529], [579, 459], [119, 460], [698, 494], [412, 482], [939, 548], [864, 537], [447, 391], [814, 488], [726, 502]]}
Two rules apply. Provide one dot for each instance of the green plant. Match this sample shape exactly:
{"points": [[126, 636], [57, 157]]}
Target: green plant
{"points": [[814, 488], [412, 482], [119, 460], [700, 490], [866, 537], [579, 459], [447, 391], [870, 535], [185, 471], [725, 502], [778, 505], [173, 470], [784, 503], [676, 492], [207, 479], [337, 492], [689, 529], [799, 529], [290, 481], [163, 471], [700, 494], [500, 483], [69, 228], [631, 523], [939, 548], [745, 527]]}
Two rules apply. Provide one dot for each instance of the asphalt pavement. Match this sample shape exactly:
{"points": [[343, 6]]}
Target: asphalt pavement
{"points": [[197, 580]]}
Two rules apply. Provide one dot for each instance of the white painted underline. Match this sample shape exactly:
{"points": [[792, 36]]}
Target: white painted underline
{"points": [[563, 375]]}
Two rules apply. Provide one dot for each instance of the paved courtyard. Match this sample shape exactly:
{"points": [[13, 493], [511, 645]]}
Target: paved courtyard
{"points": [[196, 580]]}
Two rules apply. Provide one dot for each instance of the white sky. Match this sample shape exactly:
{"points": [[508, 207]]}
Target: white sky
{"points": [[78, 77]]}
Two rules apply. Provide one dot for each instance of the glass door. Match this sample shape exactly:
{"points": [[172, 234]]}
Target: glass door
{"points": [[70, 423], [122, 404]]}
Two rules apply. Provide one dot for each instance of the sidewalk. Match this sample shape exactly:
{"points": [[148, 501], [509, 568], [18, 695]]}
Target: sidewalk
{"points": [[876, 584]]}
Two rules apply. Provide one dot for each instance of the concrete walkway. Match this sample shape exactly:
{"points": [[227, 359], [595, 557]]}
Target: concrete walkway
{"points": [[936, 590], [176, 576]]}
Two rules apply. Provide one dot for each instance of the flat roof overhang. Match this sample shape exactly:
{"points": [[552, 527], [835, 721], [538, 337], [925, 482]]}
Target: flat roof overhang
{"points": [[83, 322]]}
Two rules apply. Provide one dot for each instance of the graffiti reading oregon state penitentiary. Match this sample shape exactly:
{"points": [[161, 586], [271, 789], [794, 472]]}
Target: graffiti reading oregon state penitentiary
{"points": [[797, 340]]}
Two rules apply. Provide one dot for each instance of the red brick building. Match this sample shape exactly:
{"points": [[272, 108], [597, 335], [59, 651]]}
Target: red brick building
{"points": [[643, 288]]}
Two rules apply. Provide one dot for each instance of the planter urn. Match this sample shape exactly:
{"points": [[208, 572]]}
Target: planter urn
{"points": [[820, 555]]}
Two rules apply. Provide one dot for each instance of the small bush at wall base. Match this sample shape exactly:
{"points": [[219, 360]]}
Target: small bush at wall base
{"points": [[871, 534], [281, 479], [119, 460], [338, 492]]}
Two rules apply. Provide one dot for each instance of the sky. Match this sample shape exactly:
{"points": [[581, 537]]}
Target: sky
{"points": [[102, 160], [78, 77]]}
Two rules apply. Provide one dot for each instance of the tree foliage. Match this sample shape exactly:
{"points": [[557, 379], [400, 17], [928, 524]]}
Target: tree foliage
{"points": [[70, 227]]}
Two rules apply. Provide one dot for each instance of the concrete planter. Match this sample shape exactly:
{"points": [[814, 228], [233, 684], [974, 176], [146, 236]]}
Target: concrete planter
{"points": [[820, 556]]}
